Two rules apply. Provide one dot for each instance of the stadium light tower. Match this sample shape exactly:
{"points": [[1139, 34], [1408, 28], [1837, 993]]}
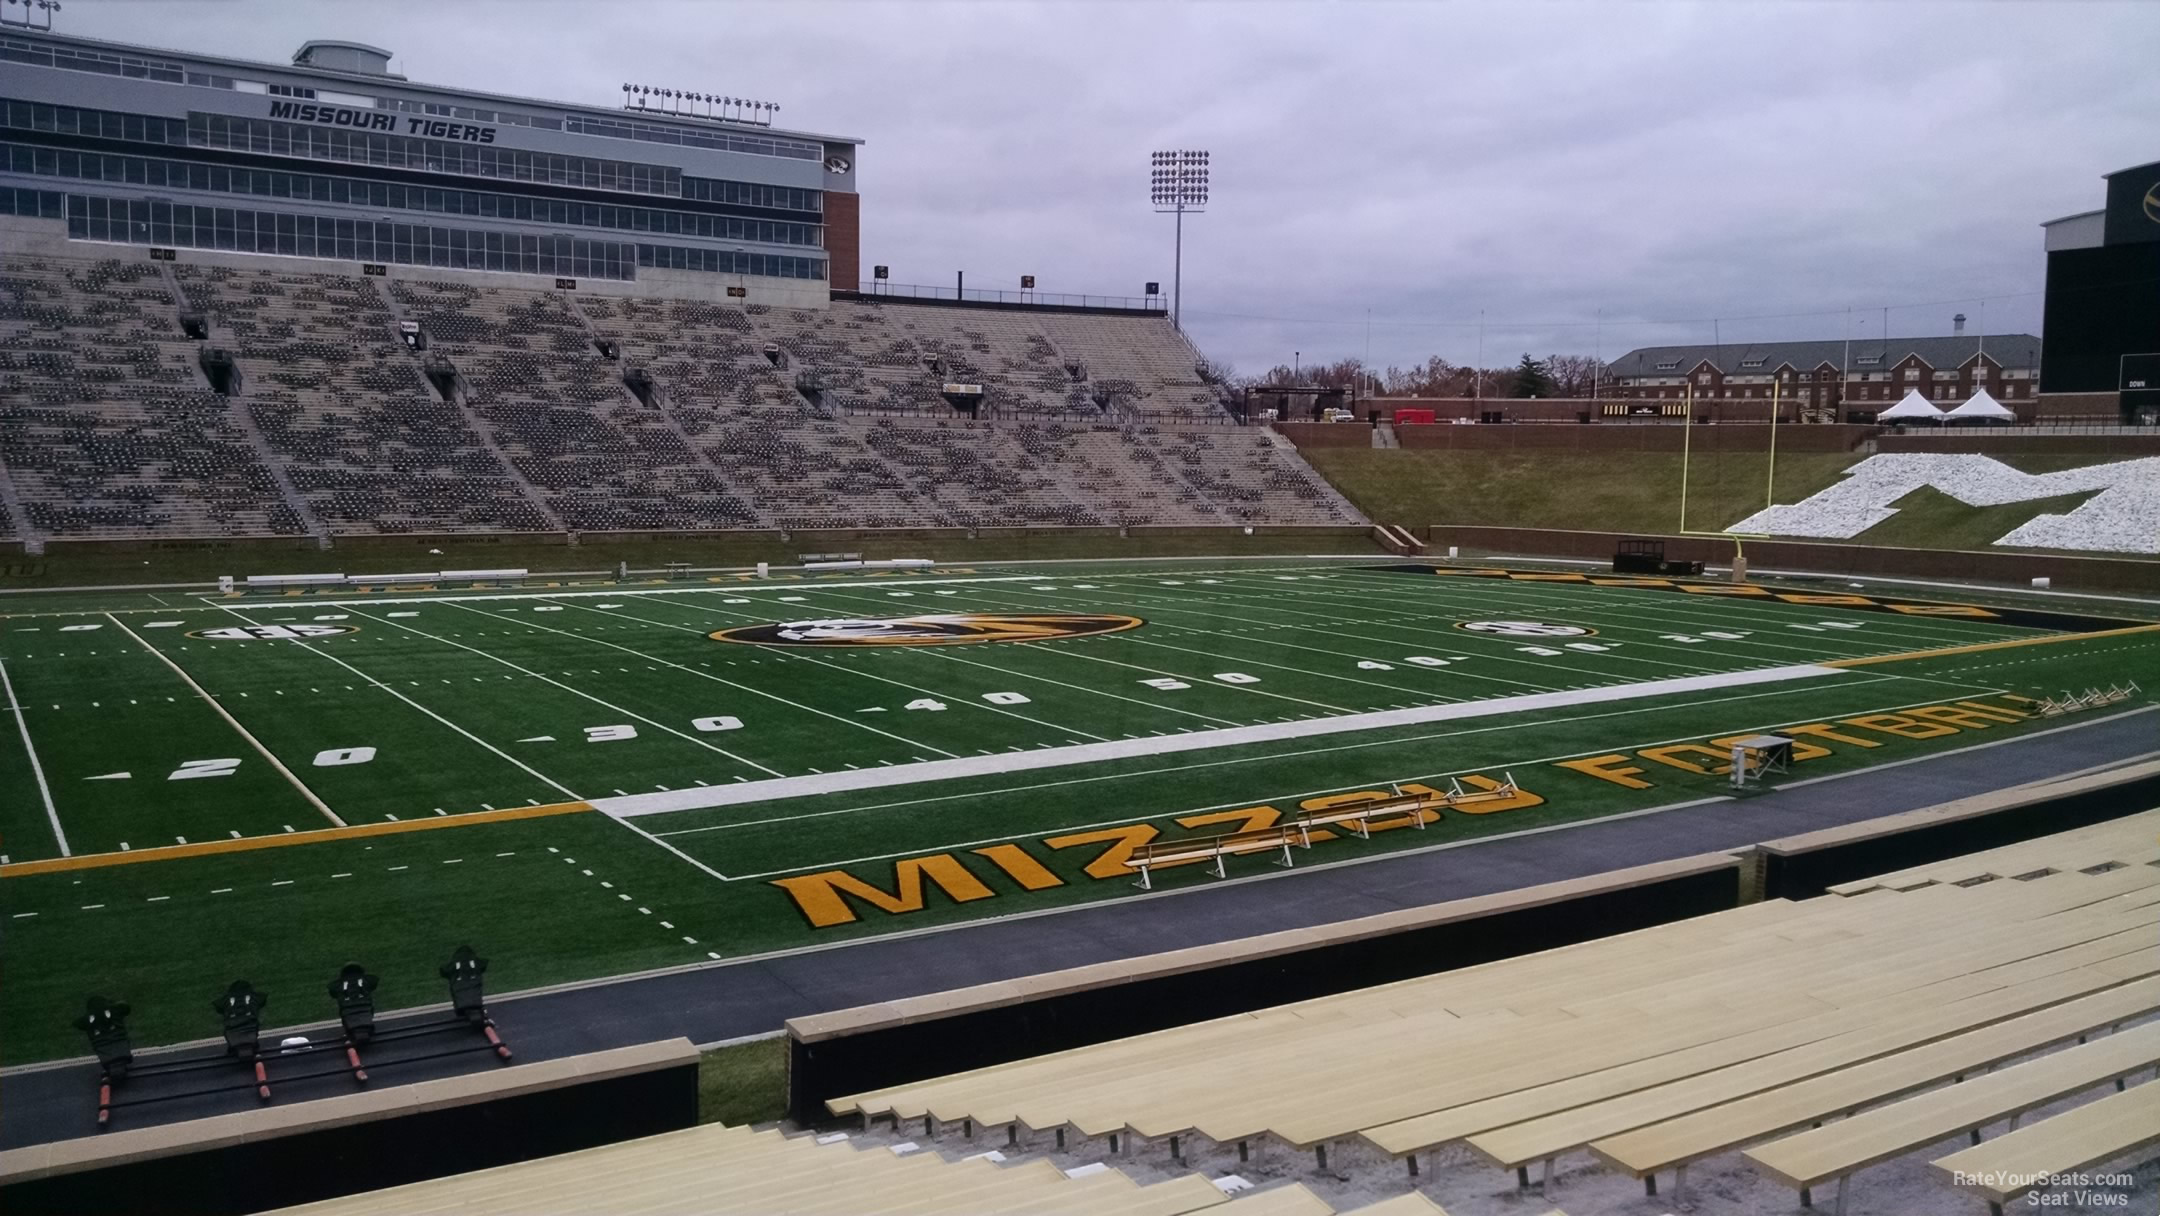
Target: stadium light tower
{"points": [[1178, 184], [36, 14]]}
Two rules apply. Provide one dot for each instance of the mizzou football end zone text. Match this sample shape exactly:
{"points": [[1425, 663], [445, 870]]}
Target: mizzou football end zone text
{"points": [[841, 896]]}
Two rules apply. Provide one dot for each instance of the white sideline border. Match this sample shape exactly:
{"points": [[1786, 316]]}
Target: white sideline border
{"points": [[767, 956], [775, 789], [1859, 579]]}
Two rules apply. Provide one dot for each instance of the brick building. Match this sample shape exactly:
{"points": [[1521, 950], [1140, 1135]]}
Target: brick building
{"points": [[1831, 381]]}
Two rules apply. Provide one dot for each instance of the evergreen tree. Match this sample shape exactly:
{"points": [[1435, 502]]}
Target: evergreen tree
{"points": [[1531, 378]]}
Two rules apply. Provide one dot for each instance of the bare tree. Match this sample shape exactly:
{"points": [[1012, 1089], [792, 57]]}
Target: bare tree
{"points": [[1574, 375]]}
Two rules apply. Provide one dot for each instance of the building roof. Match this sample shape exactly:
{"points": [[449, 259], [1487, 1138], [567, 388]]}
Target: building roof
{"points": [[397, 81], [1741, 358], [340, 44]]}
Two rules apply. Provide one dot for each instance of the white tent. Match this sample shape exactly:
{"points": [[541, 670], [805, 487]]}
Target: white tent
{"points": [[1982, 408], [1914, 408]]}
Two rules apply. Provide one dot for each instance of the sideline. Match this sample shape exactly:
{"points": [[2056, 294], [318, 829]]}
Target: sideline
{"points": [[1976, 647], [700, 798], [2009, 589], [244, 844], [570, 986]]}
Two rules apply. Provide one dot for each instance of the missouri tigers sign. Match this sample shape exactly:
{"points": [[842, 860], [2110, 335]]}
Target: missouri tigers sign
{"points": [[938, 630]]}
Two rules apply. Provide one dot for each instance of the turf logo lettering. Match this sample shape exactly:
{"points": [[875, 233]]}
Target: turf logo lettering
{"points": [[272, 633], [1527, 629], [935, 630]]}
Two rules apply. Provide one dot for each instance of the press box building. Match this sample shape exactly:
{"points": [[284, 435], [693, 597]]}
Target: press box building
{"points": [[336, 157]]}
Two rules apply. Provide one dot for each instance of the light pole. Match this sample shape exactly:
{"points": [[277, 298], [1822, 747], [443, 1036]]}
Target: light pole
{"points": [[1178, 182]]}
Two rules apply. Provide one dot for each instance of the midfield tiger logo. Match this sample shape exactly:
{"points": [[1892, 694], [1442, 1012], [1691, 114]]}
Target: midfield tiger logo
{"points": [[943, 629], [272, 633]]}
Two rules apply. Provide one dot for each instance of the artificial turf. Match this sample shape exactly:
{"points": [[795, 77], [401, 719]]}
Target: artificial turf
{"points": [[486, 701]]}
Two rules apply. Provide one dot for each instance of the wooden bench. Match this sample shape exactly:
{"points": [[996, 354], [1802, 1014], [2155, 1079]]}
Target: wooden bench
{"points": [[1299, 830], [1840, 1149], [1210, 848], [2098, 1132], [1357, 815]]}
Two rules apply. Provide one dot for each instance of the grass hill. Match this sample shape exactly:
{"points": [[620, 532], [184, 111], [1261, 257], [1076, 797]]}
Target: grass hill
{"points": [[1640, 491]]}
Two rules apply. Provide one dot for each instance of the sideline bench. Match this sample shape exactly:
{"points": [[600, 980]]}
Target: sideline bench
{"points": [[1298, 831], [2094, 1134], [1209, 848]]}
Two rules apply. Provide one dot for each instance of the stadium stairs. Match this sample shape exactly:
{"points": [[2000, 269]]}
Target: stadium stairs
{"points": [[245, 420]]}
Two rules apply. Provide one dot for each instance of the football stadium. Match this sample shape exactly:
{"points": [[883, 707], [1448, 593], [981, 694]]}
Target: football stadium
{"points": [[534, 681]]}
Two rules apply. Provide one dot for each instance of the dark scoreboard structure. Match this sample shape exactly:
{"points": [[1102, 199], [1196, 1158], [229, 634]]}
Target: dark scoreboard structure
{"points": [[2101, 323]]}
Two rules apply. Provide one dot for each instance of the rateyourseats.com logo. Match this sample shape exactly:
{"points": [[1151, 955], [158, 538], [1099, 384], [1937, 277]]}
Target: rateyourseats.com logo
{"points": [[938, 630], [2074, 1190]]}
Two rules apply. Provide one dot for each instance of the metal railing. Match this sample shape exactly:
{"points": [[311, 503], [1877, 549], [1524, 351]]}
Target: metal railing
{"points": [[2027, 428], [917, 291]]}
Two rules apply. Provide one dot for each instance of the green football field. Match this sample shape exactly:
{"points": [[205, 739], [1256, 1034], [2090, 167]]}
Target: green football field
{"points": [[591, 780]]}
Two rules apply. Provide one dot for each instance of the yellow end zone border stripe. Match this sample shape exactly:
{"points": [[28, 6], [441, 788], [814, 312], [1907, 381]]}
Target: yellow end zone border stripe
{"points": [[1977, 647], [170, 852]]}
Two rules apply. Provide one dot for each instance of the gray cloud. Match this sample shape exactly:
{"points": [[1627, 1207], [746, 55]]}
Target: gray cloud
{"points": [[1538, 162]]}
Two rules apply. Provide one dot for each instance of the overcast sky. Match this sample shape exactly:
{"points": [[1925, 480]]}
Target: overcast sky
{"points": [[1423, 162]]}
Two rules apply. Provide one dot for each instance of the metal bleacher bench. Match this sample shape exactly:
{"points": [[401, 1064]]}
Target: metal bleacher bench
{"points": [[1298, 831]]}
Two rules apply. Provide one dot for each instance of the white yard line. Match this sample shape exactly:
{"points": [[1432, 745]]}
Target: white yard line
{"points": [[1395, 690], [1336, 628], [1486, 647], [233, 722], [1299, 754], [1726, 611], [705, 675], [1165, 892], [36, 770], [1073, 653], [1766, 624], [1497, 765], [1633, 637], [565, 790], [799, 655], [541, 593], [547, 679], [672, 849], [1861, 579], [1120, 749]]}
